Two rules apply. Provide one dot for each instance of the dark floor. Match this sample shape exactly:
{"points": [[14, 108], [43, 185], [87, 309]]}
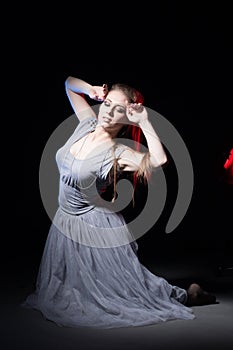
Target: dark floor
{"points": [[211, 329]]}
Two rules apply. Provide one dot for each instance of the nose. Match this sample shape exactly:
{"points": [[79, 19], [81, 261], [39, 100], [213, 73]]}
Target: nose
{"points": [[111, 112]]}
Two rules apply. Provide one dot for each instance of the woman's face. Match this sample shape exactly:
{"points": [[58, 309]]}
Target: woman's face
{"points": [[112, 112]]}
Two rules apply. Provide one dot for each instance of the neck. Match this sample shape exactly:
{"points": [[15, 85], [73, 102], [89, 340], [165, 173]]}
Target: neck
{"points": [[111, 131]]}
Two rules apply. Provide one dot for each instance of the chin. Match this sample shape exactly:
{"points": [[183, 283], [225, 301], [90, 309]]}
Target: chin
{"points": [[106, 125]]}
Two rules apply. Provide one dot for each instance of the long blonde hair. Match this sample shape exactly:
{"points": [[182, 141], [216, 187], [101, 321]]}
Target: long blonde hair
{"points": [[134, 133]]}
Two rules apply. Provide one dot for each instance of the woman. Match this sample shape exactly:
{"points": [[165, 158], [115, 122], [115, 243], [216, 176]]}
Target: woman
{"points": [[90, 274]]}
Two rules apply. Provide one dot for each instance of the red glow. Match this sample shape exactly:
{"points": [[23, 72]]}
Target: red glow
{"points": [[229, 162], [228, 166]]}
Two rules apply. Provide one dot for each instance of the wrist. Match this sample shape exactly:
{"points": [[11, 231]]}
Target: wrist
{"points": [[144, 123], [88, 89]]}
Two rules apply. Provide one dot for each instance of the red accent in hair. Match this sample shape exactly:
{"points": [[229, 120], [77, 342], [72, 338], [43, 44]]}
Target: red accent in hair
{"points": [[136, 133], [138, 97]]}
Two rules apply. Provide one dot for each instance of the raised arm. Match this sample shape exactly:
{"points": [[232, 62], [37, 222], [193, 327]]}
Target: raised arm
{"points": [[76, 89], [156, 156]]}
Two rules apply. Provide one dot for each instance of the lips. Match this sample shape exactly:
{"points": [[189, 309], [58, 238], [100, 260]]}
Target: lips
{"points": [[106, 119]]}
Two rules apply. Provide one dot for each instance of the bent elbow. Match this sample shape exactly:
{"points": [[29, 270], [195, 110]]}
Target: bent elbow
{"points": [[159, 161], [67, 82], [163, 160]]}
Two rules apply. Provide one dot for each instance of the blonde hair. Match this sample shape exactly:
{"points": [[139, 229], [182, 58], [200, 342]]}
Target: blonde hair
{"points": [[134, 133]]}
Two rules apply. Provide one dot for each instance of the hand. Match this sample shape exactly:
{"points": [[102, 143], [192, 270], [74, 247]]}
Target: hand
{"points": [[136, 113], [98, 93]]}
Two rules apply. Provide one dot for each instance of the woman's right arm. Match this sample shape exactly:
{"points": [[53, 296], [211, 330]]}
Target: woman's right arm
{"points": [[76, 88]]}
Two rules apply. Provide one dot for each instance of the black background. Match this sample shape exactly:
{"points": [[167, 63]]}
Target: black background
{"points": [[179, 55]]}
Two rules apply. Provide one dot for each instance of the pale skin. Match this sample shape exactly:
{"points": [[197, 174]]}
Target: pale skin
{"points": [[114, 112]]}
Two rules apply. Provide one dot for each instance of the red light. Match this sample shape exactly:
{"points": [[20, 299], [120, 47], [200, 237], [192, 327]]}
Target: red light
{"points": [[228, 165]]}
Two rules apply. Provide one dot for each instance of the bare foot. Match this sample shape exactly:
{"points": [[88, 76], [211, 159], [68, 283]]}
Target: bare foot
{"points": [[197, 296]]}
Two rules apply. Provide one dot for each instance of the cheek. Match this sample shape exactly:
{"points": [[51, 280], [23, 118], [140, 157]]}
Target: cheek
{"points": [[120, 117], [101, 109], [123, 120]]}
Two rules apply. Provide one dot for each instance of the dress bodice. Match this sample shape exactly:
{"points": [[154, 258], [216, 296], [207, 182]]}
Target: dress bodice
{"points": [[82, 181]]}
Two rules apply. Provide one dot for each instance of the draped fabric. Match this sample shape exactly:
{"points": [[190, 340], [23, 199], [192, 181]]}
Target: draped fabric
{"points": [[90, 274]]}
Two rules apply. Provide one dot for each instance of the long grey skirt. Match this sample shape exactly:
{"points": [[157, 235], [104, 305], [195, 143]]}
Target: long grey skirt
{"points": [[80, 285]]}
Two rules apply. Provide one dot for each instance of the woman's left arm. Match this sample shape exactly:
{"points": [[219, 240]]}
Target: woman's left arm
{"points": [[138, 115], [157, 154]]}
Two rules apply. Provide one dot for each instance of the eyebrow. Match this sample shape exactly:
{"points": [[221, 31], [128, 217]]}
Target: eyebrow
{"points": [[118, 104]]}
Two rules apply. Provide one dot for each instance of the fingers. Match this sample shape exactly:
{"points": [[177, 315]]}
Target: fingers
{"points": [[100, 92], [103, 92], [105, 89], [134, 107]]}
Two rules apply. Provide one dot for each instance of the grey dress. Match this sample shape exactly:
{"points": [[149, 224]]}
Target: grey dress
{"points": [[90, 274]]}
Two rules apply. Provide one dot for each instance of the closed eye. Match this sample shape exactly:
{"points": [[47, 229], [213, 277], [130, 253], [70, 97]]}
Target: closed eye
{"points": [[119, 108]]}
